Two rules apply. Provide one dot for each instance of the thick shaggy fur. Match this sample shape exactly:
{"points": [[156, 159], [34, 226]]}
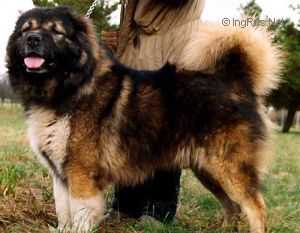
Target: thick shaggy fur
{"points": [[94, 122], [212, 42]]}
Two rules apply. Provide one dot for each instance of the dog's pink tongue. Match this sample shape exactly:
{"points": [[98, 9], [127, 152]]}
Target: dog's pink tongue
{"points": [[34, 62]]}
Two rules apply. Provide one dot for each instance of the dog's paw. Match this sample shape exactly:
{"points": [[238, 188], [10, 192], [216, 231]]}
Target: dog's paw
{"points": [[60, 229], [85, 222], [86, 213], [64, 228]]}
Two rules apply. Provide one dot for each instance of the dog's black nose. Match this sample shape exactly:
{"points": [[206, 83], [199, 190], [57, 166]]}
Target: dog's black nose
{"points": [[33, 39]]}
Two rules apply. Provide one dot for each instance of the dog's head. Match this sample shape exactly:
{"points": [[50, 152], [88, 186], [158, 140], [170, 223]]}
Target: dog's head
{"points": [[52, 52]]}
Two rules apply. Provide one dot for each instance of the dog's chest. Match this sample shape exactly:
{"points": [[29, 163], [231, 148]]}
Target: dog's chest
{"points": [[48, 135]]}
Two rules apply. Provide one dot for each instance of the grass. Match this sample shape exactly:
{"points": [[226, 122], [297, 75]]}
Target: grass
{"points": [[26, 202]]}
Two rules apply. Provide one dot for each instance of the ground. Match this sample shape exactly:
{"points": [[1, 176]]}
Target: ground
{"points": [[26, 202]]}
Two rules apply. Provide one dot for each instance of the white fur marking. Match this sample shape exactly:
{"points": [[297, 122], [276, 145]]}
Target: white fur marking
{"points": [[61, 196], [50, 134], [86, 213]]}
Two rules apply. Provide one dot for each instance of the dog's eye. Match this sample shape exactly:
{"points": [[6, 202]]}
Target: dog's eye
{"points": [[57, 32], [25, 29]]}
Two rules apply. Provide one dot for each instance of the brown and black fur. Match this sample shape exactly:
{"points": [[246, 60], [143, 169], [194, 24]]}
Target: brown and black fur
{"points": [[124, 124]]}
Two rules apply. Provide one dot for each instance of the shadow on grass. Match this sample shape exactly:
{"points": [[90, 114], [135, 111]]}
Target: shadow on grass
{"points": [[295, 132]]}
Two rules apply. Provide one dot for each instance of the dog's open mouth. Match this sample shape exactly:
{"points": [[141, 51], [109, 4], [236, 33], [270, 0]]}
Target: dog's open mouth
{"points": [[35, 64]]}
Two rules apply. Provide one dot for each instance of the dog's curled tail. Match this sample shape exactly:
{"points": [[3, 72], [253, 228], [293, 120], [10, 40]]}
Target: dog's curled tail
{"points": [[252, 49]]}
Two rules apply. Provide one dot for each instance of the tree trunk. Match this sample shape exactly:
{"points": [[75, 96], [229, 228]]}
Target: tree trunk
{"points": [[289, 119]]}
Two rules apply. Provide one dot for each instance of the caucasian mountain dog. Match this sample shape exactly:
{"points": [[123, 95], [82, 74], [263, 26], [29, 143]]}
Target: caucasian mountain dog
{"points": [[93, 122]]}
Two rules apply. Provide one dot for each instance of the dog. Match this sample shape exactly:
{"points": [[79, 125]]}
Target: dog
{"points": [[93, 121]]}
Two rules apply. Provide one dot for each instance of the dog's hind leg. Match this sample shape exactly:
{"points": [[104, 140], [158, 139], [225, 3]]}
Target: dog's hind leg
{"points": [[239, 181], [231, 208], [87, 204]]}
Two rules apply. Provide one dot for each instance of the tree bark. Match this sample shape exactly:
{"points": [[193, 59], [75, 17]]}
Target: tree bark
{"points": [[289, 119]]}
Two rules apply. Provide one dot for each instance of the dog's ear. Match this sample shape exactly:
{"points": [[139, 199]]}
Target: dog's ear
{"points": [[80, 23], [83, 28], [86, 33]]}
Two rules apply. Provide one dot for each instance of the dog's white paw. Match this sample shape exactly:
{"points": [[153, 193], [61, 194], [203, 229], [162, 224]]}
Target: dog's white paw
{"points": [[60, 229], [63, 228], [86, 213], [85, 221]]}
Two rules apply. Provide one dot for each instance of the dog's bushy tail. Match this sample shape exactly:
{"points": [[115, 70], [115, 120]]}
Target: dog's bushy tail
{"points": [[214, 46]]}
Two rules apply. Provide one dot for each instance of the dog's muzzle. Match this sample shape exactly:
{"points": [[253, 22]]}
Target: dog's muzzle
{"points": [[34, 51]]}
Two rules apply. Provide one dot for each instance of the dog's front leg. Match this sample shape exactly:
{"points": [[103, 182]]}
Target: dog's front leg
{"points": [[61, 196], [87, 204]]}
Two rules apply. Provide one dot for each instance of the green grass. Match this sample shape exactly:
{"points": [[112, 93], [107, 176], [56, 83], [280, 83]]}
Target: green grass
{"points": [[26, 202]]}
